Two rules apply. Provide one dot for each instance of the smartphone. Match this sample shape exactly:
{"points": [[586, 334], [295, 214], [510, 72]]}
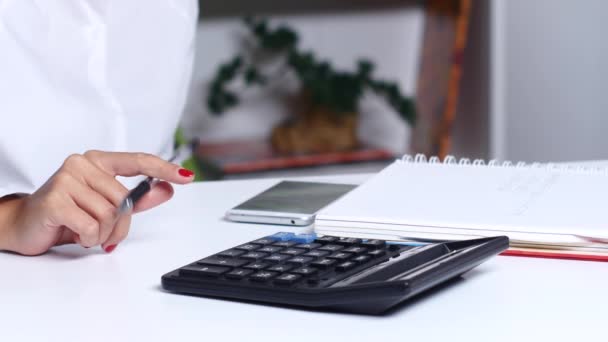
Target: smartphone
{"points": [[288, 203]]}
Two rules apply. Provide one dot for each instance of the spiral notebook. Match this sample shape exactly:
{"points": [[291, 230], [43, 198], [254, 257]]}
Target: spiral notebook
{"points": [[546, 210]]}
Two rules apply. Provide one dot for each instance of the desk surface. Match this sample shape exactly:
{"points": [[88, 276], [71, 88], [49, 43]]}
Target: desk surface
{"points": [[73, 294]]}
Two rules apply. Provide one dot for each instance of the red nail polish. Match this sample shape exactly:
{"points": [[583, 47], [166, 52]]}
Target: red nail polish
{"points": [[110, 248], [185, 172]]}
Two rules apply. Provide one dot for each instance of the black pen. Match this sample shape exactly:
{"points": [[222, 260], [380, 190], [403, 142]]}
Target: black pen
{"points": [[127, 204]]}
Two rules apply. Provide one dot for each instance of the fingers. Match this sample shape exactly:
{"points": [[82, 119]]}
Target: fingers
{"points": [[67, 237], [133, 164], [89, 200], [98, 180], [96, 206], [95, 194], [83, 224], [112, 232], [120, 232], [160, 193]]}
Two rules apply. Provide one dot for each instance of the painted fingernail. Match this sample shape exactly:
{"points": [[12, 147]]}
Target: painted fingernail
{"points": [[185, 172], [110, 248]]}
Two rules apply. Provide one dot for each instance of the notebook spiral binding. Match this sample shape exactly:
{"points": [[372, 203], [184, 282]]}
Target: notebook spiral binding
{"points": [[451, 160]]}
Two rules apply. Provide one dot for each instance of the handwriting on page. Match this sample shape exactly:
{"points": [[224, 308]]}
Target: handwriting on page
{"points": [[526, 189]]}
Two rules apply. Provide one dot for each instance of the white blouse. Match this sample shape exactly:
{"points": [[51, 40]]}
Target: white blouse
{"points": [[89, 74]]}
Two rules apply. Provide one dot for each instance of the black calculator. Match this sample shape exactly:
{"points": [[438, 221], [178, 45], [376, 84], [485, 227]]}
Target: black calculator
{"points": [[329, 272]]}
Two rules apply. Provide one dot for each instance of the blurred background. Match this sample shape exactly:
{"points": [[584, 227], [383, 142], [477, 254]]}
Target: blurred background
{"points": [[491, 79]]}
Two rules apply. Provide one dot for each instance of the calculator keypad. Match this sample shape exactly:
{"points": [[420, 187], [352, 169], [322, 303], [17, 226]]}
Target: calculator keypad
{"points": [[286, 259], [329, 272]]}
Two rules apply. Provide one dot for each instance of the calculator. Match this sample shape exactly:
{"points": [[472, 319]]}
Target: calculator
{"points": [[332, 273]]}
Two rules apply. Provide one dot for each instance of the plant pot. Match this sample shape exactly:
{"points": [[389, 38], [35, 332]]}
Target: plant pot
{"points": [[316, 131]]}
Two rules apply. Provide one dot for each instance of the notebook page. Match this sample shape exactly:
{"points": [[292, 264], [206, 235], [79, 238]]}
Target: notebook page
{"points": [[538, 200]]}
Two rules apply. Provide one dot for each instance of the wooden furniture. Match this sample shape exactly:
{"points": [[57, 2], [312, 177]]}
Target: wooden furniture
{"points": [[445, 35]]}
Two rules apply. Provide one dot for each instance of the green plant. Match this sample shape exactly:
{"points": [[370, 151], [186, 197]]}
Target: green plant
{"points": [[338, 91]]}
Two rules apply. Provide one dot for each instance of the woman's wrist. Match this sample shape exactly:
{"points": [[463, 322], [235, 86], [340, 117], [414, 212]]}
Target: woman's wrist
{"points": [[9, 208]]}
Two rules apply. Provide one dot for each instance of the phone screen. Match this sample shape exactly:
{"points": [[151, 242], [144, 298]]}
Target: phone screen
{"points": [[296, 197]]}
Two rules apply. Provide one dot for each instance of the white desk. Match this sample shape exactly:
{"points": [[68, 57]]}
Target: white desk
{"points": [[73, 294]]}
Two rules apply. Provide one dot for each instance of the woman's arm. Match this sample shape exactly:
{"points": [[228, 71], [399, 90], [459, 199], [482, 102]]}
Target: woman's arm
{"points": [[78, 203]]}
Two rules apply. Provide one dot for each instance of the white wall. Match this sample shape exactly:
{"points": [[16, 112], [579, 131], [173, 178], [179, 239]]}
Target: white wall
{"points": [[549, 74], [390, 37]]}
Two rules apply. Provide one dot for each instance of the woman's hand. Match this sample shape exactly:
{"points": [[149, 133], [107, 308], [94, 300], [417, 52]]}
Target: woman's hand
{"points": [[78, 203]]}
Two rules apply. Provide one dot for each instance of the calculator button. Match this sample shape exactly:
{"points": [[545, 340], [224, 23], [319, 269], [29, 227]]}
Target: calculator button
{"points": [[327, 239], [238, 273], [269, 249], [348, 241], [394, 247], [257, 266], [305, 238], [304, 271], [293, 251], [263, 276], [223, 262], [323, 263], [280, 268], [209, 271], [373, 243], [376, 253], [231, 253], [300, 260], [281, 236], [316, 253], [345, 266], [355, 250], [265, 241], [308, 245], [331, 248], [254, 255], [284, 243], [340, 256], [287, 279], [248, 247], [276, 258], [361, 258], [313, 280]]}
